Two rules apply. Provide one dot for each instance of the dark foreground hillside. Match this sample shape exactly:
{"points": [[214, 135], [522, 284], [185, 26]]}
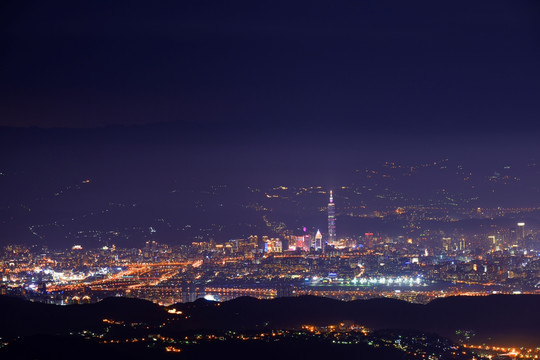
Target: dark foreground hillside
{"points": [[50, 347], [497, 319], [247, 328]]}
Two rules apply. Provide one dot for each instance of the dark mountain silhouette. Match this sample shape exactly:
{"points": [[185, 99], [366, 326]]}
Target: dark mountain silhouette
{"points": [[44, 347], [62, 347], [498, 319], [506, 319], [21, 317]]}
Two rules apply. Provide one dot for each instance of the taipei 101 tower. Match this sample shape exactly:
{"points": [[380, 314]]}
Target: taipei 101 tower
{"points": [[331, 219]]}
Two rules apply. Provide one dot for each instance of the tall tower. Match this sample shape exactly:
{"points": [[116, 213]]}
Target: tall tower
{"points": [[521, 234], [331, 219]]}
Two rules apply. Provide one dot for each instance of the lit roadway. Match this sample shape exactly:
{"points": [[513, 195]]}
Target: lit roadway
{"points": [[131, 278]]}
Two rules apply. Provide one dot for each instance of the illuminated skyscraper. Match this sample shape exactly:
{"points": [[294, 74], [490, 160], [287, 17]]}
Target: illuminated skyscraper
{"points": [[318, 241], [331, 219], [303, 242], [521, 233]]}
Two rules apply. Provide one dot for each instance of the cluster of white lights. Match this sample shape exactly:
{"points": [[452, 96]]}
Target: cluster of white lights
{"points": [[400, 280]]}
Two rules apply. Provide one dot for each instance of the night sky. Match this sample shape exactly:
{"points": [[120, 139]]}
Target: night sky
{"points": [[316, 66]]}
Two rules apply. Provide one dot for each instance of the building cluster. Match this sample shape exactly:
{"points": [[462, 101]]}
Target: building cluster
{"points": [[419, 268]]}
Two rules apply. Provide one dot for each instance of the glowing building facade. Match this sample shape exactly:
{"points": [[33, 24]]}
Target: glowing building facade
{"points": [[331, 219], [318, 244]]}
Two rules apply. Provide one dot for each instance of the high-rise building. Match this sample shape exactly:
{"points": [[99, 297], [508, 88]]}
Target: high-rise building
{"points": [[521, 233], [331, 219], [318, 241], [303, 242], [447, 243], [254, 242], [462, 244], [368, 240]]}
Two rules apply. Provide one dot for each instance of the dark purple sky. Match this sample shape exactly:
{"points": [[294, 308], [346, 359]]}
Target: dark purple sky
{"points": [[468, 66]]}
